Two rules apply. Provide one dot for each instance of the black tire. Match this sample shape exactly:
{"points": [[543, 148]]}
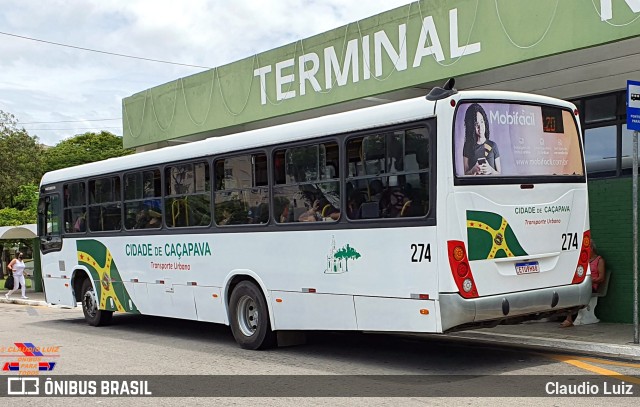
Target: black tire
{"points": [[92, 314], [249, 317]]}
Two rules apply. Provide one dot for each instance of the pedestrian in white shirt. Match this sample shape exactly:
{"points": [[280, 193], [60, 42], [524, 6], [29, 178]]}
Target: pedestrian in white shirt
{"points": [[17, 268]]}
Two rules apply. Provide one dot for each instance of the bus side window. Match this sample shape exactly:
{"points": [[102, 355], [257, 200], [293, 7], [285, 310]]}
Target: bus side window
{"points": [[75, 207], [105, 212], [142, 199], [187, 195], [391, 171], [307, 185], [242, 190]]}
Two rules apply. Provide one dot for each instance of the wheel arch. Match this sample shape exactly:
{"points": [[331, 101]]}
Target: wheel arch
{"points": [[79, 275], [234, 278]]}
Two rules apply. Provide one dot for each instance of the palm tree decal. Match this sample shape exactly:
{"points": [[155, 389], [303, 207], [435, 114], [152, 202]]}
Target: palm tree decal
{"points": [[347, 253], [336, 257]]}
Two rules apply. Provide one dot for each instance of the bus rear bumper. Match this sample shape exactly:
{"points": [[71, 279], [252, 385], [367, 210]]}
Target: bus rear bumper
{"points": [[458, 313]]}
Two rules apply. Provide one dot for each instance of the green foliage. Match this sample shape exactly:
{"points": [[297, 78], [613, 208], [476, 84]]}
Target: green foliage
{"points": [[20, 159], [16, 217], [25, 207], [8, 122], [82, 149], [27, 198], [23, 161]]}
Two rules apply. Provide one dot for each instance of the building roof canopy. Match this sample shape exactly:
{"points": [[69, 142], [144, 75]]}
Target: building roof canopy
{"points": [[18, 232], [391, 56]]}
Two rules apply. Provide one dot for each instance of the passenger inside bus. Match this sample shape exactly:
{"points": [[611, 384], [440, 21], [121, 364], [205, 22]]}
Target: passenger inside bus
{"points": [[312, 214], [80, 224], [376, 188], [147, 218], [320, 211], [355, 199]]}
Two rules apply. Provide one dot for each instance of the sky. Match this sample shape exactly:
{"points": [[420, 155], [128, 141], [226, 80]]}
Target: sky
{"points": [[56, 91]]}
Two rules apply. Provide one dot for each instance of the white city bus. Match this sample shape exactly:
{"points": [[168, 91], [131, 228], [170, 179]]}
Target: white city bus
{"points": [[430, 215]]}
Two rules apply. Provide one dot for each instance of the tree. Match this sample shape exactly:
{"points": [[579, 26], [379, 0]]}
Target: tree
{"points": [[20, 159], [8, 122], [347, 253], [25, 210], [82, 149], [16, 217]]}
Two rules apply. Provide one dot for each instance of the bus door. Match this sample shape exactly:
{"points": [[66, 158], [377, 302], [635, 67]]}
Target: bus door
{"points": [[50, 234], [519, 207], [49, 227]]}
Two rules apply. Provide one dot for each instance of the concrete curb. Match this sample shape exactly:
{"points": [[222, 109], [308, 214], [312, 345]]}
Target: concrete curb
{"points": [[21, 301], [612, 350], [604, 349]]}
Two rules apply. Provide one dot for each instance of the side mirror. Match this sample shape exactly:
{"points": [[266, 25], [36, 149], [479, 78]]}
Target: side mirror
{"points": [[42, 205]]}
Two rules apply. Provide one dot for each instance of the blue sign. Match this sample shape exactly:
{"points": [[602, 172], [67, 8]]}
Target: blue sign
{"points": [[633, 105]]}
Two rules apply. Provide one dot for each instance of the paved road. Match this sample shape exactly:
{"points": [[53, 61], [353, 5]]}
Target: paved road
{"points": [[141, 345]]}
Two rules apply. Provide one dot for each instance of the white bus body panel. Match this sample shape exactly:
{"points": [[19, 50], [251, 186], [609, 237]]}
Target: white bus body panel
{"points": [[57, 282], [396, 315], [289, 263], [556, 212], [58, 291], [313, 311], [209, 304]]}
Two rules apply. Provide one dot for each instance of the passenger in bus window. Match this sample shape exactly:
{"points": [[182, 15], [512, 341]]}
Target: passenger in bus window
{"points": [[355, 200], [226, 217], [480, 154], [312, 214], [284, 216], [142, 218], [259, 213], [148, 218], [330, 212], [155, 220], [392, 202], [376, 187], [80, 224]]}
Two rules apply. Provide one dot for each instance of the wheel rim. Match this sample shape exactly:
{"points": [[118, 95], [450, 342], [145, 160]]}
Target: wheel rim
{"points": [[90, 304], [247, 311]]}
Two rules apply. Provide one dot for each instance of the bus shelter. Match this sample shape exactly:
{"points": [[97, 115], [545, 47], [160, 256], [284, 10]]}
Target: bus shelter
{"points": [[26, 232]]}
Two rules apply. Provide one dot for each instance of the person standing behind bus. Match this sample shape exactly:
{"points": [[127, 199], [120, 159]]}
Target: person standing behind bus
{"points": [[596, 264], [17, 267], [481, 155]]}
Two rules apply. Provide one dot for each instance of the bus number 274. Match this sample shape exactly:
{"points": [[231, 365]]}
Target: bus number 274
{"points": [[420, 252], [569, 241]]}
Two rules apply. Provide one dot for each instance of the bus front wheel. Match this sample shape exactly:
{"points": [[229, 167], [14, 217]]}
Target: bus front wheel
{"points": [[92, 313], [250, 317]]}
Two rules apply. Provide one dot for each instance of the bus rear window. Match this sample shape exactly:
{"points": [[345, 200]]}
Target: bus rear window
{"points": [[515, 140]]}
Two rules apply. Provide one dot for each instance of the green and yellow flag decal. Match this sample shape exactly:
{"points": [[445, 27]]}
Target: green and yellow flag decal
{"points": [[110, 291], [490, 236]]}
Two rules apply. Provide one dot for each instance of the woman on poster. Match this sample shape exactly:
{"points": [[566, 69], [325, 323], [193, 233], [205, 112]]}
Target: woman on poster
{"points": [[481, 155]]}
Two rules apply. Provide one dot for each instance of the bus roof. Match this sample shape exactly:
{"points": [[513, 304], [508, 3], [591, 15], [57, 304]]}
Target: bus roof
{"points": [[361, 119]]}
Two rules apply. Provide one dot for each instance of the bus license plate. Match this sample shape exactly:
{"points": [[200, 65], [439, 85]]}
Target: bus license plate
{"points": [[527, 268]]}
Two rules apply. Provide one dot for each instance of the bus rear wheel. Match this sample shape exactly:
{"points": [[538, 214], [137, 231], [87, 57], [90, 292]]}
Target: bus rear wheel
{"points": [[92, 313], [249, 317]]}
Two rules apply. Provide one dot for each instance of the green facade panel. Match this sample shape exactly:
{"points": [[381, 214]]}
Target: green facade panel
{"points": [[610, 208], [422, 42]]}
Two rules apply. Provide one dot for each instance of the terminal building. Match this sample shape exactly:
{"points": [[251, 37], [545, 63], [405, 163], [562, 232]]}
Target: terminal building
{"points": [[583, 51]]}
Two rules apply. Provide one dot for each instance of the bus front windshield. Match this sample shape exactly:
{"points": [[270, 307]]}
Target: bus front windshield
{"points": [[515, 140]]}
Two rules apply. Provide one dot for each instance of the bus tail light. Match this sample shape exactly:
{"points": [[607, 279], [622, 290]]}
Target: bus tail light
{"points": [[461, 270], [583, 260]]}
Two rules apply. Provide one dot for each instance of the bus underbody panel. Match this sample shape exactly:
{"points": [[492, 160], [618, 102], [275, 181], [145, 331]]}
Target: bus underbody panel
{"points": [[458, 313]]}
